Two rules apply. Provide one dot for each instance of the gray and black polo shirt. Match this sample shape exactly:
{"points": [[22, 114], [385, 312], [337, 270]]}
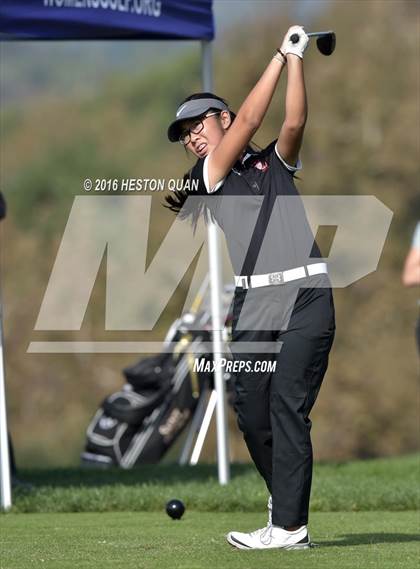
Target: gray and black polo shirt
{"points": [[261, 213]]}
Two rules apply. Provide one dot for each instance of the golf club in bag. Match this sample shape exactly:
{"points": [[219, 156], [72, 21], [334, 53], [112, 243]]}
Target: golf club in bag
{"points": [[139, 423]]}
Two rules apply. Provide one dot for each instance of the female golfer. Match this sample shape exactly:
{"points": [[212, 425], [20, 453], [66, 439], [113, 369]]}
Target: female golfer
{"points": [[283, 313]]}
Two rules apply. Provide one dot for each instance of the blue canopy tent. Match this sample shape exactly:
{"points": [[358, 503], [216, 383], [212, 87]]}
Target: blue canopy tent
{"points": [[118, 20], [107, 19]]}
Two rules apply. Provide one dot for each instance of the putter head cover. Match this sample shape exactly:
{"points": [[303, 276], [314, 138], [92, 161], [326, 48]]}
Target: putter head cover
{"points": [[295, 47]]}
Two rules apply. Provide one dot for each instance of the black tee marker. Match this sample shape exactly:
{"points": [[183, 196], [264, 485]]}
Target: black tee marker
{"points": [[175, 509]]}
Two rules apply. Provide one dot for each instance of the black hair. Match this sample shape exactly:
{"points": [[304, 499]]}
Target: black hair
{"points": [[178, 203]]}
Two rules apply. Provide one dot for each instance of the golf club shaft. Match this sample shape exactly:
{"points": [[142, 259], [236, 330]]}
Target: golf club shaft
{"points": [[319, 34], [295, 37]]}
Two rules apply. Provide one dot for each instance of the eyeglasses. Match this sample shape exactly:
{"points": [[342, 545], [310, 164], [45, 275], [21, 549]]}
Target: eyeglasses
{"points": [[195, 128]]}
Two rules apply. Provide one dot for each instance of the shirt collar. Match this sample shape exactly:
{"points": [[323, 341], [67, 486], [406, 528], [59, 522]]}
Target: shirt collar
{"points": [[248, 152]]}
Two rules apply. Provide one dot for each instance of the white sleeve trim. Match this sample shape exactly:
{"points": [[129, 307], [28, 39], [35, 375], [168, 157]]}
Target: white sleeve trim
{"points": [[290, 168], [206, 177], [416, 237]]}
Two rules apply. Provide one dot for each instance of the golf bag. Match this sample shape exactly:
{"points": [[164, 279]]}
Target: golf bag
{"points": [[139, 423]]}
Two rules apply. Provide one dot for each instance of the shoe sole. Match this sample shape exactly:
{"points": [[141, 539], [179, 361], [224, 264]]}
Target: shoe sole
{"points": [[236, 543], [293, 546], [297, 546]]}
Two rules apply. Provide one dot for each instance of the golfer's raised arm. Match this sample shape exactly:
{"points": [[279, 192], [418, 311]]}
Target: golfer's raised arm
{"points": [[247, 121], [296, 107], [291, 133]]}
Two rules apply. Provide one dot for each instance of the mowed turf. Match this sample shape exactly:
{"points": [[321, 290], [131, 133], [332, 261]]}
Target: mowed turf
{"points": [[363, 514], [384, 484], [152, 541]]}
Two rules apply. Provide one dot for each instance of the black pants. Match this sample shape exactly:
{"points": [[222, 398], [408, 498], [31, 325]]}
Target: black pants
{"points": [[273, 407]]}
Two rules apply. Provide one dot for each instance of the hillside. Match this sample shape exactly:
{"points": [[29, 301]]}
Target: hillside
{"points": [[361, 139]]}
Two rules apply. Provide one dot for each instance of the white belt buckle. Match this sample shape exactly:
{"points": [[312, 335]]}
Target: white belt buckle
{"points": [[276, 278], [243, 282]]}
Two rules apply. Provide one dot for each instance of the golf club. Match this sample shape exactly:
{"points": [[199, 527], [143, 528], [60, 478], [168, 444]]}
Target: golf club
{"points": [[325, 41]]}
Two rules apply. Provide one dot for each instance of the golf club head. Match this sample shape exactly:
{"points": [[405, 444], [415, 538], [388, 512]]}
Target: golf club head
{"points": [[326, 44], [325, 41]]}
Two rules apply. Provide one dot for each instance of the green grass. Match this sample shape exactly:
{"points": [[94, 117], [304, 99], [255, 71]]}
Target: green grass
{"points": [[152, 541], [385, 484], [362, 516]]}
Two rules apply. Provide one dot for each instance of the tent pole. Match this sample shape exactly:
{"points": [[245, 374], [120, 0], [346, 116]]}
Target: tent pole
{"points": [[5, 487], [215, 290]]}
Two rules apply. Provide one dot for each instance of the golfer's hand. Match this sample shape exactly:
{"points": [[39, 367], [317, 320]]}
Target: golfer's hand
{"points": [[296, 48]]}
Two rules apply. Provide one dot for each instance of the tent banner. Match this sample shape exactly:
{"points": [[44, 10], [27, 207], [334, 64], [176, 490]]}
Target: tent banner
{"points": [[106, 19]]}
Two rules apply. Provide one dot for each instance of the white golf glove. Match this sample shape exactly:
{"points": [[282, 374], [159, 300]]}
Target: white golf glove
{"points": [[296, 48]]}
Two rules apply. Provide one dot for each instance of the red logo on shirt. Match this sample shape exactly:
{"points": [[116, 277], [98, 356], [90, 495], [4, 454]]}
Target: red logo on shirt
{"points": [[261, 165]]}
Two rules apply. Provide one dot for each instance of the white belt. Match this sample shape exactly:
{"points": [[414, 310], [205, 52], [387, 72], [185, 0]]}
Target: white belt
{"points": [[281, 277]]}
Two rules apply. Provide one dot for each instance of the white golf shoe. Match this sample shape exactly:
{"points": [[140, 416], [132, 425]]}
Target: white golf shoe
{"points": [[271, 537]]}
